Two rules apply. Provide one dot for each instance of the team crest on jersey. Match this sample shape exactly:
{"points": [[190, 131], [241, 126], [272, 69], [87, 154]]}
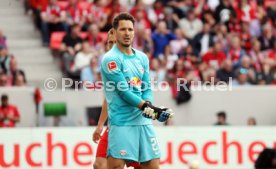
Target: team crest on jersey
{"points": [[112, 66], [135, 81], [123, 152]]}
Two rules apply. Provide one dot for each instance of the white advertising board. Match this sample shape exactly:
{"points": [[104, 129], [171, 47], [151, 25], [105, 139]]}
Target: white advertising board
{"points": [[72, 148]]}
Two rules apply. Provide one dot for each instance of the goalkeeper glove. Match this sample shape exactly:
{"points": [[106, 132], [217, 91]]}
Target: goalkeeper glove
{"points": [[152, 112]]}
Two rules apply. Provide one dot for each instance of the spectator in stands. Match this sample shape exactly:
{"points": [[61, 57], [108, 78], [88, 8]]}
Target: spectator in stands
{"points": [[234, 24], [257, 57], [3, 79], [203, 40], [241, 78], [214, 57], [9, 114], [251, 121], [178, 71], [190, 25], [142, 40], [244, 11], [179, 44], [261, 79], [246, 63], [274, 25], [260, 11], [190, 55], [267, 38], [224, 11], [4, 59], [112, 9], [221, 119], [96, 14], [226, 71], [171, 19], [208, 18], [72, 14], [258, 16], [222, 36], [15, 72], [157, 71], [171, 58], [158, 12], [245, 36], [273, 79], [139, 5], [51, 21], [71, 45], [161, 38], [271, 60], [19, 80], [71, 42], [141, 20], [212, 4], [90, 73], [94, 39], [271, 12], [180, 7], [3, 38], [209, 75], [37, 7], [236, 52], [83, 58]]}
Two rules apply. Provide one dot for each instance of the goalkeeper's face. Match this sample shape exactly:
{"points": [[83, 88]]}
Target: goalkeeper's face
{"points": [[125, 33]]}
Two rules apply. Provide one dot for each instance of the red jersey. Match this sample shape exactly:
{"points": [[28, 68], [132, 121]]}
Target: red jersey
{"points": [[272, 54], [10, 110], [94, 41], [235, 54], [96, 12], [39, 4], [52, 10], [214, 58], [246, 39], [74, 13]]}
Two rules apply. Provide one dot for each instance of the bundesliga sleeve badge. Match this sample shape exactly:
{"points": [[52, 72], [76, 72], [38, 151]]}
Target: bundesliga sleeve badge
{"points": [[112, 66]]}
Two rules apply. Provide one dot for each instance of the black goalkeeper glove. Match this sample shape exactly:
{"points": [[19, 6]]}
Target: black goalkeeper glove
{"points": [[159, 113]]}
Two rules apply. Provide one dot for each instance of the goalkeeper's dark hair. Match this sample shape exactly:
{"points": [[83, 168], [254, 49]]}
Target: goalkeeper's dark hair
{"points": [[122, 16]]}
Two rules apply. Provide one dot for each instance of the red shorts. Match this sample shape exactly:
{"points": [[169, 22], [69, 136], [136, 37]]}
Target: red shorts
{"points": [[102, 149]]}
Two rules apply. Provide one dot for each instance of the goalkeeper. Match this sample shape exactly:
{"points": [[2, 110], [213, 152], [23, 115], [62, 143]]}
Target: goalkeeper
{"points": [[125, 73], [101, 161]]}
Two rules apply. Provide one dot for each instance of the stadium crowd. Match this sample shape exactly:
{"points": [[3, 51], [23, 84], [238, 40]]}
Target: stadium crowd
{"points": [[10, 74], [198, 40], [192, 39]]}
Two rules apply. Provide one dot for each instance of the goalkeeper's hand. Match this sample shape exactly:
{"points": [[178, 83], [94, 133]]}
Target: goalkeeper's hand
{"points": [[159, 113]]}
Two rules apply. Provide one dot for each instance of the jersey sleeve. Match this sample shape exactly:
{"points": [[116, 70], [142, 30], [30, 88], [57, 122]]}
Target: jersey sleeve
{"points": [[111, 70], [146, 86]]}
